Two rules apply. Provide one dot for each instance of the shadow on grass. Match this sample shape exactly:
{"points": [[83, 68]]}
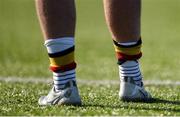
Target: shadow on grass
{"points": [[157, 100], [143, 107]]}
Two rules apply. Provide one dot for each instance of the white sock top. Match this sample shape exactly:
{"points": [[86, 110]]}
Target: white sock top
{"points": [[128, 43], [59, 44]]}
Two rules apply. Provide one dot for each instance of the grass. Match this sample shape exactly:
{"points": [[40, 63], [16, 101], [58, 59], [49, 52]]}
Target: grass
{"points": [[21, 99], [23, 55]]}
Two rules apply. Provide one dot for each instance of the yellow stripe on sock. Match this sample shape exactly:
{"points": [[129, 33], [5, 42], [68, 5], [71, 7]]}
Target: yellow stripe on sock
{"points": [[61, 61], [128, 51]]}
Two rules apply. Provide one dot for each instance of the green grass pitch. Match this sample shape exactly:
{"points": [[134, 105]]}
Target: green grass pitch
{"points": [[21, 99], [23, 55]]}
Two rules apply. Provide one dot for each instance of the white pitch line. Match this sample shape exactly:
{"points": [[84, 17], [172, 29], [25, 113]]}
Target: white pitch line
{"points": [[86, 82]]}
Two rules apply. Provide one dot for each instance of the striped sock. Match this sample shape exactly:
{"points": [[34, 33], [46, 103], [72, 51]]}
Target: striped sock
{"points": [[127, 55], [61, 55], [131, 69], [61, 78]]}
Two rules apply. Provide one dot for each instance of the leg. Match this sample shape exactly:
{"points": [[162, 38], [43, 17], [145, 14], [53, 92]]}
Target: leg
{"points": [[123, 19], [57, 19]]}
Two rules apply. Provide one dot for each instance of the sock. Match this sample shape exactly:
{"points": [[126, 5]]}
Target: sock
{"points": [[128, 55], [62, 64], [131, 69]]}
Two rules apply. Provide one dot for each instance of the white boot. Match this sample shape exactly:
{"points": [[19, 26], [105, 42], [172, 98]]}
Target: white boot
{"points": [[129, 91], [69, 95]]}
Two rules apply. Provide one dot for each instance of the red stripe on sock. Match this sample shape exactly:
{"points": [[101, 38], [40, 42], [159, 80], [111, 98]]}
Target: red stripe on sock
{"points": [[63, 68], [122, 56]]}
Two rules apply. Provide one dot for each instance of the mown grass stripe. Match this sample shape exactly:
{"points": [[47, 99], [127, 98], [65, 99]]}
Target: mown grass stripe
{"points": [[86, 82]]}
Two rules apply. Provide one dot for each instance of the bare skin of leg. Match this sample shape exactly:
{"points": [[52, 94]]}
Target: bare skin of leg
{"points": [[123, 19], [57, 18]]}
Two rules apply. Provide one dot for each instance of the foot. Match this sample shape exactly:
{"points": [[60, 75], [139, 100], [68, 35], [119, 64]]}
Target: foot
{"points": [[129, 91], [69, 95]]}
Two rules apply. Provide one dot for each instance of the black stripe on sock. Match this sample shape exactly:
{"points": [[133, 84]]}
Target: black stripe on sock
{"points": [[65, 79], [131, 76], [64, 75], [137, 76], [123, 70], [129, 66], [139, 42], [126, 74], [59, 54]]}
